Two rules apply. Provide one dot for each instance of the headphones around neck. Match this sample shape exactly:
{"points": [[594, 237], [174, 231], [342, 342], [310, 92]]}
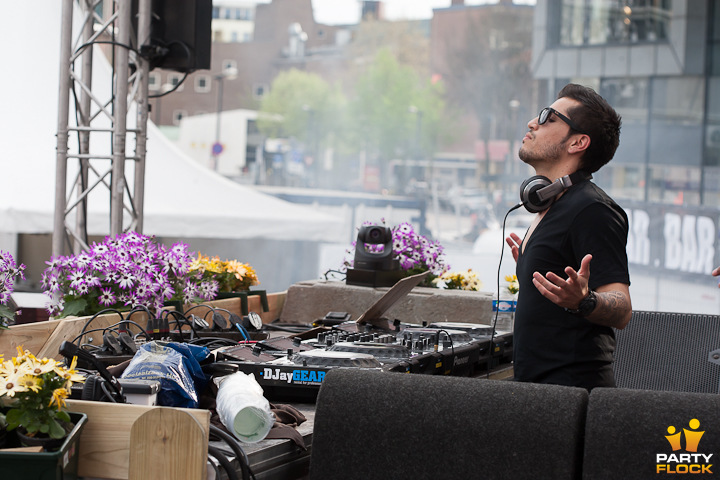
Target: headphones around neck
{"points": [[538, 193]]}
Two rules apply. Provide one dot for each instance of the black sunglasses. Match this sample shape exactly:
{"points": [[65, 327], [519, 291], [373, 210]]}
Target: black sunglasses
{"points": [[545, 114]]}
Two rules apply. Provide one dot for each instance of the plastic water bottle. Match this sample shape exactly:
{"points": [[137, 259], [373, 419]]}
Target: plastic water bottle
{"points": [[505, 310]]}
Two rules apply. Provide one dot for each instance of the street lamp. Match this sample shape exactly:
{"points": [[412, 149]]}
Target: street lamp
{"points": [[229, 73], [418, 132], [514, 106]]}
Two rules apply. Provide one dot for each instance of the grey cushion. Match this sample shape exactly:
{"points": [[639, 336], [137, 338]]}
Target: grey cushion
{"points": [[371, 424], [626, 429]]}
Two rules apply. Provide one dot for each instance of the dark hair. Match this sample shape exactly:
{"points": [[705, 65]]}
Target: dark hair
{"points": [[598, 120]]}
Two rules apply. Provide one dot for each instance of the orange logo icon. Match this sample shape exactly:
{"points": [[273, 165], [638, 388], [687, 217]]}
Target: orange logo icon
{"points": [[692, 436]]}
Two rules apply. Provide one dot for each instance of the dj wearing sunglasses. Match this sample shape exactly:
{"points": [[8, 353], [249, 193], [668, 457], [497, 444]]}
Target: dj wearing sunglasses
{"points": [[545, 114], [571, 265]]}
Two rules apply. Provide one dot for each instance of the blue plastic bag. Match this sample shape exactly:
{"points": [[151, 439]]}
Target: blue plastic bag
{"points": [[176, 366]]}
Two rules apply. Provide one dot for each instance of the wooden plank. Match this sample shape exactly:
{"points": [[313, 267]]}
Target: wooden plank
{"points": [[163, 445], [31, 336], [37, 449], [276, 302], [105, 439]]}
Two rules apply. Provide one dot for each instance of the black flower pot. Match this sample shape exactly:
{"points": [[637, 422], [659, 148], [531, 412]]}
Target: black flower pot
{"points": [[49, 444]]}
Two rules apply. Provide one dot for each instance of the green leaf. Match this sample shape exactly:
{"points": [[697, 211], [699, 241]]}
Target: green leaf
{"points": [[6, 312], [63, 415], [56, 430], [13, 419], [74, 307]]}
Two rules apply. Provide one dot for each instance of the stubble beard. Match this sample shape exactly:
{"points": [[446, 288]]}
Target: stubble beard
{"points": [[534, 159]]}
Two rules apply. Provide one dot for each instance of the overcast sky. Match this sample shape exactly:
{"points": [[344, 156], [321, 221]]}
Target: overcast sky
{"points": [[341, 12]]}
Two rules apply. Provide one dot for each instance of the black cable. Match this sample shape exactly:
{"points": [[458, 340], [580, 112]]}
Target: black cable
{"points": [[330, 271], [183, 320], [106, 42], [214, 467], [108, 394], [101, 312], [158, 95], [224, 462], [210, 309], [497, 308], [235, 446], [452, 348], [110, 328]]}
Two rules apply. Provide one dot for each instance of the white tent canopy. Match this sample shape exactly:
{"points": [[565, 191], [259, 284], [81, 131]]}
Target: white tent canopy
{"points": [[182, 198]]}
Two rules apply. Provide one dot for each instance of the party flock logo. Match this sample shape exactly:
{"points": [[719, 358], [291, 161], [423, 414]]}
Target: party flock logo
{"points": [[689, 462]]}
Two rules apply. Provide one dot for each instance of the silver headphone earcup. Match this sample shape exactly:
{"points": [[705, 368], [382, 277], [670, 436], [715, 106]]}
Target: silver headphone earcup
{"points": [[528, 194]]}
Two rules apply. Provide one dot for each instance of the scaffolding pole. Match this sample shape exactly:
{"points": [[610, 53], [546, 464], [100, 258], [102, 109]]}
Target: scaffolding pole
{"points": [[95, 129]]}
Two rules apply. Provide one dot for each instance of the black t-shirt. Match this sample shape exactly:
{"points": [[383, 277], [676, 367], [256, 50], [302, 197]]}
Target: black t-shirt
{"points": [[549, 344]]}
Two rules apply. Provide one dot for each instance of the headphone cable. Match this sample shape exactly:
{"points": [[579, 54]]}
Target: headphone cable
{"points": [[497, 305]]}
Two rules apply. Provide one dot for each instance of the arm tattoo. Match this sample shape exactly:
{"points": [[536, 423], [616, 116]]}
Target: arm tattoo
{"points": [[611, 310]]}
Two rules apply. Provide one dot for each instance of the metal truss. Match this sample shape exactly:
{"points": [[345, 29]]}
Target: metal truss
{"points": [[102, 122]]}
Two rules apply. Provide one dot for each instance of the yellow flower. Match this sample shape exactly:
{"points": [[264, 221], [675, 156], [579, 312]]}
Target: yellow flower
{"points": [[70, 374], [30, 382], [513, 286], [58, 397], [38, 367], [11, 384]]}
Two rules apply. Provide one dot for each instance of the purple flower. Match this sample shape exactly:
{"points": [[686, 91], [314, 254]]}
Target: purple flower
{"points": [[130, 269], [106, 297]]}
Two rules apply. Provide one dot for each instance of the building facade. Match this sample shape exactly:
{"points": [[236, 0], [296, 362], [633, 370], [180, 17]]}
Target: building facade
{"points": [[655, 61]]}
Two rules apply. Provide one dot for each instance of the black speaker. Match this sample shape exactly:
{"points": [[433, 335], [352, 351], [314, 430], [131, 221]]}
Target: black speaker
{"points": [[538, 193], [180, 34]]}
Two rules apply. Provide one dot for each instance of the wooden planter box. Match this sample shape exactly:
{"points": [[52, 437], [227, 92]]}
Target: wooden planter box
{"points": [[43, 339]]}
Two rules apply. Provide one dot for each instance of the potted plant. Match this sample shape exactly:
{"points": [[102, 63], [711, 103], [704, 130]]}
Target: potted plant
{"points": [[35, 391], [123, 272], [231, 275], [9, 272], [455, 280]]}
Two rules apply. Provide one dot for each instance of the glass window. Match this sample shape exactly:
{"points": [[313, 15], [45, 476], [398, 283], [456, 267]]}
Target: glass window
{"points": [[154, 80], [178, 115], [202, 83], [174, 79], [674, 185], [259, 90], [229, 65], [676, 121], [596, 22], [714, 36], [711, 186], [622, 182], [630, 98]]}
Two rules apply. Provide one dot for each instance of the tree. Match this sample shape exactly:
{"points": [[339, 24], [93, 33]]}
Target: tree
{"points": [[395, 113], [485, 64], [301, 105]]}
